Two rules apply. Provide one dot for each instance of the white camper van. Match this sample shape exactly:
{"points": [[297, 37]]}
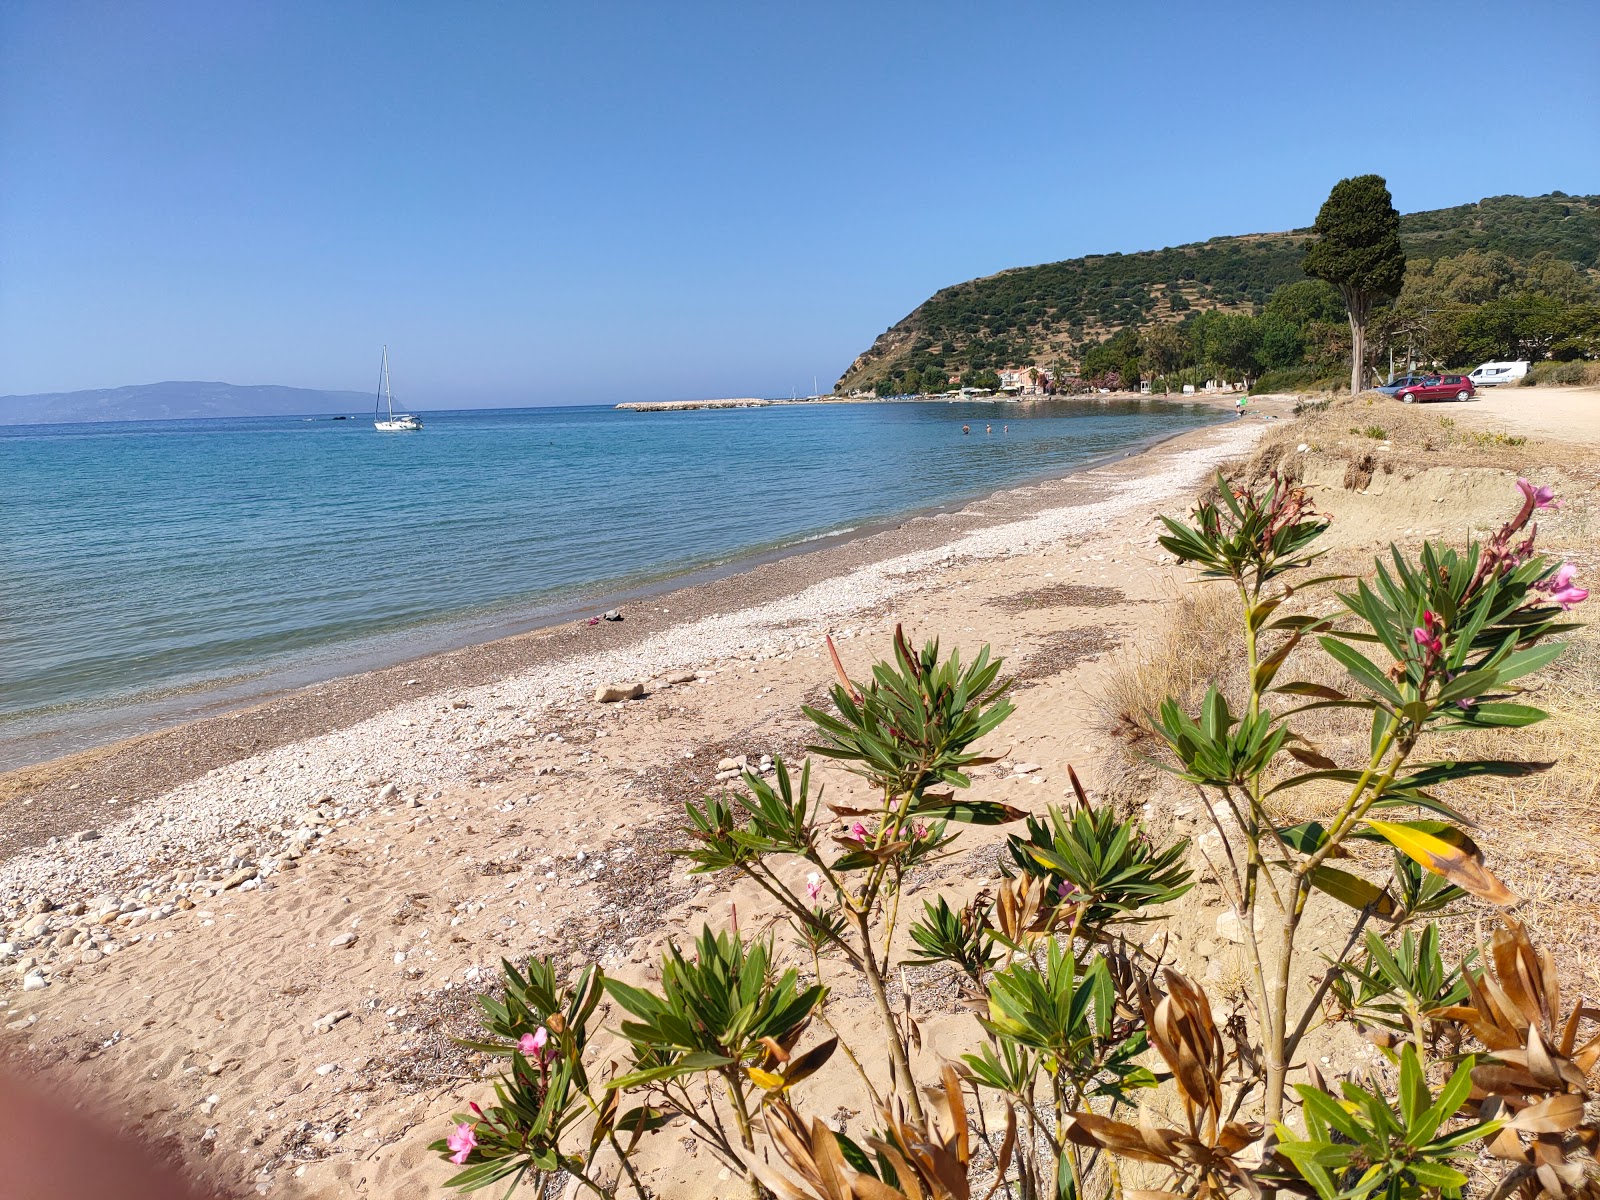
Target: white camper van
{"points": [[1491, 373]]}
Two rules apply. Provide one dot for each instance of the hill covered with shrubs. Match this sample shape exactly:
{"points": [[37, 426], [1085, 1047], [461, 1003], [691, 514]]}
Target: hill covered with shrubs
{"points": [[1509, 276]]}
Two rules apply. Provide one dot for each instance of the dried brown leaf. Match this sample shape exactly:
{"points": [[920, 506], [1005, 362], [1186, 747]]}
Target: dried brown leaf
{"points": [[1553, 1114]]}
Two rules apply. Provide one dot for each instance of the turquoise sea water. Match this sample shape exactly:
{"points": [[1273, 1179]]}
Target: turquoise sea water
{"points": [[148, 564]]}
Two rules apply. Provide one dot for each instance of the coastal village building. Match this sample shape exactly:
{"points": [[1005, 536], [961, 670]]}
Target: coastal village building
{"points": [[1028, 381]]}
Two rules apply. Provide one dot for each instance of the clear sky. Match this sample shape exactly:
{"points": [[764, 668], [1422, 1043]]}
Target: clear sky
{"points": [[548, 203]]}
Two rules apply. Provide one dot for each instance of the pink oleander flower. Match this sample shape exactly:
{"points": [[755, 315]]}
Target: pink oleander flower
{"points": [[1541, 497], [462, 1140], [533, 1044], [1426, 635], [919, 832], [1561, 587], [1428, 640], [813, 886], [858, 831], [476, 1111], [1066, 889]]}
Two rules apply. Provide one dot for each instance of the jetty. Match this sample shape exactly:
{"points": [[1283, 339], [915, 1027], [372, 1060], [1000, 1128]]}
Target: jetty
{"points": [[686, 405]]}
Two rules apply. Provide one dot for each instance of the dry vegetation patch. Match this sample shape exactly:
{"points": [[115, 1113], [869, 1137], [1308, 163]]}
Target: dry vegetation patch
{"points": [[1189, 650], [1543, 833], [1540, 833], [1060, 595], [1372, 433], [1056, 653]]}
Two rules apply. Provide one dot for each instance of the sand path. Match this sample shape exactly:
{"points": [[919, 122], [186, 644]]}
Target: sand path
{"points": [[1569, 414]]}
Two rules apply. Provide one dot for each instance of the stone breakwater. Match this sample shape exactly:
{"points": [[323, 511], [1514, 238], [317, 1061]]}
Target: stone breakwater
{"points": [[690, 405], [241, 826]]}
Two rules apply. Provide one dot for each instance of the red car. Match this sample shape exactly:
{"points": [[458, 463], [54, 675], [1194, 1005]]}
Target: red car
{"points": [[1438, 387]]}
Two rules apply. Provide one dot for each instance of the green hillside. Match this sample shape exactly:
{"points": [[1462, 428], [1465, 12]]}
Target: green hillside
{"points": [[1054, 314]]}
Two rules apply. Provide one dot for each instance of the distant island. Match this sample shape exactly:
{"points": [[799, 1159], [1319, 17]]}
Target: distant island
{"points": [[1507, 277], [177, 401]]}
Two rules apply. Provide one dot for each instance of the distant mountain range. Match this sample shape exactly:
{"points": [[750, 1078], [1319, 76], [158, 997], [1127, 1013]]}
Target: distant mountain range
{"points": [[177, 400]]}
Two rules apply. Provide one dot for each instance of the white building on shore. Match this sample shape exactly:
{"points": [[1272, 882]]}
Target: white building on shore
{"points": [[1027, 381]]}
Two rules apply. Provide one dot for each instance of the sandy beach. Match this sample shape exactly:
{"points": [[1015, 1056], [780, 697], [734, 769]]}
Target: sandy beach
{"points": [[257, 934], [401, 803]]}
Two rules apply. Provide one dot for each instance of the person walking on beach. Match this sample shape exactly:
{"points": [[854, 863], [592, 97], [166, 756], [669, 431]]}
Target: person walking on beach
{"points": [[1238, 405]]}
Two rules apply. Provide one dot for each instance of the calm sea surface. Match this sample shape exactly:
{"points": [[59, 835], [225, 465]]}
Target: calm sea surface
{"points": [[148, 567]]}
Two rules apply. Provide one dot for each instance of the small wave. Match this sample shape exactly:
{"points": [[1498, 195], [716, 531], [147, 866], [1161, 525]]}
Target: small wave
{"points": [[817, 537]]}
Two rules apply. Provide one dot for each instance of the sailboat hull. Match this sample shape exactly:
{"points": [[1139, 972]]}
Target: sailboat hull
{"points": [[398, 425]]}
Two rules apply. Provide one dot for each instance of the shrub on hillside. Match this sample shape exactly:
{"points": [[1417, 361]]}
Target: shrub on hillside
{"points": [[1561, 373], [1295, 379]]}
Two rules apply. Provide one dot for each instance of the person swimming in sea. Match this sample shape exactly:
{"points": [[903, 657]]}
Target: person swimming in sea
{"points": [[966, 429], [988, 428]]}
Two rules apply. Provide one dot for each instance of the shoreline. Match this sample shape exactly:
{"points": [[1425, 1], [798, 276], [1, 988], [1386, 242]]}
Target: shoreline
{"points": [[105, 723], [677, 629], [367, 882], [369, 872]]}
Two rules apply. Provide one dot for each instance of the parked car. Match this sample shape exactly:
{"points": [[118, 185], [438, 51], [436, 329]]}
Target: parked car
{"points": [[1437, 387], [1491, 374], [1398, 382]]}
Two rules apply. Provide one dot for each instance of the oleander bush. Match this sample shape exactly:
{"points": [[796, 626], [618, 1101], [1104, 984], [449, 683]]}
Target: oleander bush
{"points": [[1094, 1066]]}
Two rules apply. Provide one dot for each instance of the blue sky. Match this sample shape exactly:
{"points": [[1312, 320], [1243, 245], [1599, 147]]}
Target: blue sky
{"points": [[542, 203]]}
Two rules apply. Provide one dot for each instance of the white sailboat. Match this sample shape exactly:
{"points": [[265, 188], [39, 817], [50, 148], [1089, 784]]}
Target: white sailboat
{"points": [[396, 422]]}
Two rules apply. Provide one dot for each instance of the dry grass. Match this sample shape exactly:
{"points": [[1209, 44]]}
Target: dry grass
{"points": [[1540, 833], [1194, 646], [1060, 595], [1059, 651], [1562, 374], [1567, 797], [1412, 437], [1191, 649]]}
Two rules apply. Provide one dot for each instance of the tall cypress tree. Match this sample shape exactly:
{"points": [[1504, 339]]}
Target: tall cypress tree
{"points": [[1358, 251]]}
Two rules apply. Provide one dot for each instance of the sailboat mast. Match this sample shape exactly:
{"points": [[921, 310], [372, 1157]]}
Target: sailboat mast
{"points": [[391, 424]]}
